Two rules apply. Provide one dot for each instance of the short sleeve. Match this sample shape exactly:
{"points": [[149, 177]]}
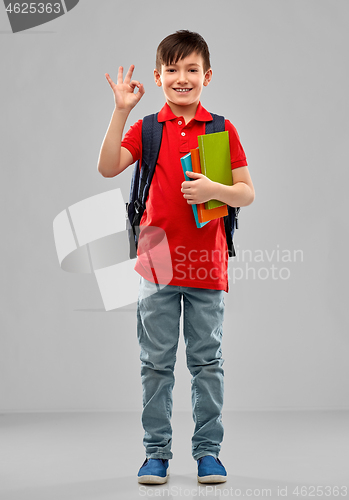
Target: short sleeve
{"points": [[133, 140], [237, 153]]}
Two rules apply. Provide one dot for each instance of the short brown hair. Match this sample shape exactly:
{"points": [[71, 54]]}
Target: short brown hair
{"points": [[179, 45]]}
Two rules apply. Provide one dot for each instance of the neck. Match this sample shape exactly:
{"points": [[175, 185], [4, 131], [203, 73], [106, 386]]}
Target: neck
{"points": [[188, 112]]}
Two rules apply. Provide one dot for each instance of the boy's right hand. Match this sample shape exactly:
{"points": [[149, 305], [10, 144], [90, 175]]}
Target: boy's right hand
{"points": [[125, 98]]}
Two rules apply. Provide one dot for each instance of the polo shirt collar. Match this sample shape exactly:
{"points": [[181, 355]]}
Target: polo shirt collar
{"points": [[201, 114]]}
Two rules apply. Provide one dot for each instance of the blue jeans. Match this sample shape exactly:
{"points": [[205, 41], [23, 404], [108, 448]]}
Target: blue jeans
{"points": [[158, 318]]}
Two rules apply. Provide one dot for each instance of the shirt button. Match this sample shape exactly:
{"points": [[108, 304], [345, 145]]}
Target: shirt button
{"points": [[183, 134], [180, 122]]}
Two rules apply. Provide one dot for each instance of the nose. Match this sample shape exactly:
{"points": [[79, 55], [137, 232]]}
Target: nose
{"points": [[182, 77]]}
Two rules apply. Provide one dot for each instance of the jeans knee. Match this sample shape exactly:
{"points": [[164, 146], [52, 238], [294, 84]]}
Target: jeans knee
{"points": [[160, 360], [196, 366]]}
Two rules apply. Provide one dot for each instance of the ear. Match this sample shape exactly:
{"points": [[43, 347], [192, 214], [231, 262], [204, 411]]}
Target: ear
{"points": [[207, 77], [157, 78]]}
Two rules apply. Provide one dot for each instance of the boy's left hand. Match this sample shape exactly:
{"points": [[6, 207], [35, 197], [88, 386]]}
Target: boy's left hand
{"points": [[199, 190]]}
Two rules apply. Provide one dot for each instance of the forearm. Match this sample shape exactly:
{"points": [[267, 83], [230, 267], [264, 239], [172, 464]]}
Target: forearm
{"points": [[109, 157], [239, 194]]}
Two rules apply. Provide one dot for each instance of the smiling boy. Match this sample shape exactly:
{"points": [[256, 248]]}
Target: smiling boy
{"points": [[183, 69]]}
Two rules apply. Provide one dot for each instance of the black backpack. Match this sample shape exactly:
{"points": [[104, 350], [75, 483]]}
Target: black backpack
{"points": [[142, 177]]}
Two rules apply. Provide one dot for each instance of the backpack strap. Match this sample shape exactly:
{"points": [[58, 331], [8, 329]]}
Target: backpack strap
{"points": [[230, 220], [216, 125], [142, 176], [151, 141]]}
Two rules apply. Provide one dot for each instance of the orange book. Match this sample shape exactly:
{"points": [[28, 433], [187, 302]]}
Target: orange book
{"points": [[205, 214]]}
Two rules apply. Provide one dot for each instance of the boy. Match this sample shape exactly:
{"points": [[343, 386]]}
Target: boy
{"points": [[199, 256]]}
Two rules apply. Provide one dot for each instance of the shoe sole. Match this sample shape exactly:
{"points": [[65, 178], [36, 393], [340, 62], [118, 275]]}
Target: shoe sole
{"points": [[212, 479], [153, 479]]}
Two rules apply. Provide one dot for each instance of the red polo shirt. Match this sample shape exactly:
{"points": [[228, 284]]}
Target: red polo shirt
{"points": [[197, 257]]}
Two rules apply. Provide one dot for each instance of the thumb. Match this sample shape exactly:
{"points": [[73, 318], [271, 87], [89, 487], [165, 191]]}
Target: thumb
{"points": [[194, 175], [140, 92]]}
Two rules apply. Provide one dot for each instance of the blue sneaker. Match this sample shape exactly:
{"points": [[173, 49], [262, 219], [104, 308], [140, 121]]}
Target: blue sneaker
{"points": [[211, 470], [153, 471]]}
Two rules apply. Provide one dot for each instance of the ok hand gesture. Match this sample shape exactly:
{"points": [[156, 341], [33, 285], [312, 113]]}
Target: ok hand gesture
{"points": [[125, 98]]}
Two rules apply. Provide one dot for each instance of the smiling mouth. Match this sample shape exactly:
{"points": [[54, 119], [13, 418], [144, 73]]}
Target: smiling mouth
{"points": [[182, 90]]}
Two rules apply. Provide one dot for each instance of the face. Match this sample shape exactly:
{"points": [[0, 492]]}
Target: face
{"points": [[183, 81]]}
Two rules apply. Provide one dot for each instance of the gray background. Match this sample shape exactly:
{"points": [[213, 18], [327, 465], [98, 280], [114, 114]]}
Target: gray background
{"points": [[280, 75]]}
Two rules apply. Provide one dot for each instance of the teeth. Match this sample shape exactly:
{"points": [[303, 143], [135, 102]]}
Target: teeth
{"points": [[182, 90]]}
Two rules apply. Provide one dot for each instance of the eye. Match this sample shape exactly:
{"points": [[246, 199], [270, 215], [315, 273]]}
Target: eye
{"points": [[193, 70], [170, 70]]}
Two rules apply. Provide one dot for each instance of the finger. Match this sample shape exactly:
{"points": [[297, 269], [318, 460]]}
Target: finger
{"points": [[129, 74], [120, 75], [140, 92], [134, 84], [109, 80]]}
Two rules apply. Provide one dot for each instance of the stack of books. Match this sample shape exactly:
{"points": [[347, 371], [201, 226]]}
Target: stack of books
{"points": [[211, 158]]}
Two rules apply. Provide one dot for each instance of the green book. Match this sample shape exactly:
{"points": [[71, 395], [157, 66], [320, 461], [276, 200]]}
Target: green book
{"points": [[215, 161]]}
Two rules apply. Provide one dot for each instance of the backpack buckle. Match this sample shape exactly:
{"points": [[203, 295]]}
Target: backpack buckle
{"points": [[137, 206]]}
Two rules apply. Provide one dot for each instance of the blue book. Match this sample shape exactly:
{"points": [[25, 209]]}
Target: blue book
{"points": [[187, 167]]}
